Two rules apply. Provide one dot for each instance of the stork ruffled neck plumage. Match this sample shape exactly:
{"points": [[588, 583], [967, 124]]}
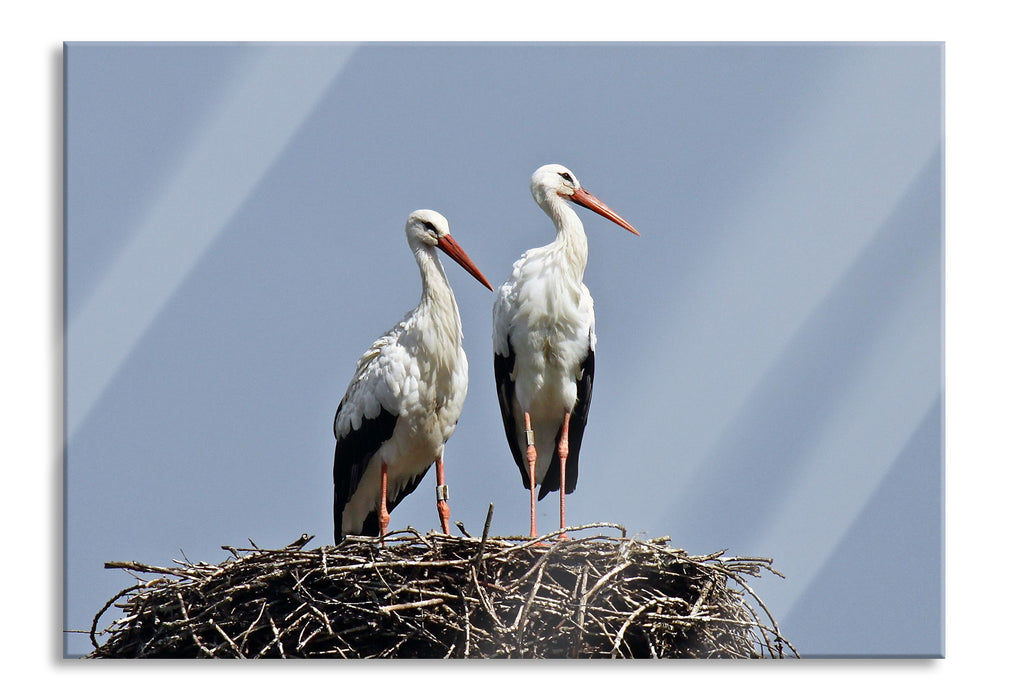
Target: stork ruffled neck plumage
{"points": [[437, 301], [571, 244]]}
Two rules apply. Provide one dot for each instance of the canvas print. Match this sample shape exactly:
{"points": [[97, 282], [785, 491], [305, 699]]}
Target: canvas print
{"points": [[503, 350]]}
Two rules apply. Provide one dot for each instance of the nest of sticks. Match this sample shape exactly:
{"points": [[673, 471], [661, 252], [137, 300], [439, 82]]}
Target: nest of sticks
{"points": [[437, 596]]}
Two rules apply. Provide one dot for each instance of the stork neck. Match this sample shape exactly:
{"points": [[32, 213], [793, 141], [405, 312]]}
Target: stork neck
{"points": [[436, 296], [571, 242]]}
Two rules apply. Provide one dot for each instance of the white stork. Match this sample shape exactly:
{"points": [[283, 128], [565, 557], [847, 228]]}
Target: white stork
{"points": [[544, 343], [406, 396]]}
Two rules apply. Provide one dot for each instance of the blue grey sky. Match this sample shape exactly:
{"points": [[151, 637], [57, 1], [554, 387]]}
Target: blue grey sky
{"points": [[769, 367]]}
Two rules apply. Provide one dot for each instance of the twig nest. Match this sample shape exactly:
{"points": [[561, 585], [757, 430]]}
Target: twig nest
{"points": [[438, 596]]}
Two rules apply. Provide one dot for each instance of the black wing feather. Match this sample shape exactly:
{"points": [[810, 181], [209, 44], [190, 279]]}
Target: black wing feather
{"points": [[503, 366], [576, 429], [353, 452]]}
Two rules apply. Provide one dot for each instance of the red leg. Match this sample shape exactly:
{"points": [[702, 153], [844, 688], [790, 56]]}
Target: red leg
{"points": [[562, 452], [383, 510], [531, 461], [442, 494]]}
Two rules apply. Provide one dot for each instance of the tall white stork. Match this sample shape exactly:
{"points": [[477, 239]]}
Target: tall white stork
{"points": [[544, 343], [406, 396]]}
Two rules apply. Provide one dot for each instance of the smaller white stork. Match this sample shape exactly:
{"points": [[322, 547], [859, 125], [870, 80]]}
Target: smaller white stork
{"points": [[406, 396], [544, 343]]}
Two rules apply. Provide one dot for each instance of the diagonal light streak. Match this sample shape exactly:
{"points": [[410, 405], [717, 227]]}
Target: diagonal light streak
{"points": [[240, 142], [793, 255], [876, 418]]}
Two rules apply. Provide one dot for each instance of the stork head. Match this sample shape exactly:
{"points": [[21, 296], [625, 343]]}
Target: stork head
{"points": [[551, 181], [428, 228]]}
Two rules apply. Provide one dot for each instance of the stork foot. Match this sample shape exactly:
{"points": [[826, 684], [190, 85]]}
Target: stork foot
{"points": [[443, 515]]}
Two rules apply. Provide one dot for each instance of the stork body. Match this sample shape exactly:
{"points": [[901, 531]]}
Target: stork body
{"points": [[544, 343], [406, 396]]}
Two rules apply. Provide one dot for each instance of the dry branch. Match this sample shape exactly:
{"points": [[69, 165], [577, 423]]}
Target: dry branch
{"points": [[435, 596]]}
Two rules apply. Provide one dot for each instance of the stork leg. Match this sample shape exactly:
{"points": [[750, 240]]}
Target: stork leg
{"points": [[383, 509], [442, 494], [562, 453], [531, 461]]}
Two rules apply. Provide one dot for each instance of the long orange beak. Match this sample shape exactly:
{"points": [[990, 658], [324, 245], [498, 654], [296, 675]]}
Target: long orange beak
{"points": [[589, 201], [452, 249]]}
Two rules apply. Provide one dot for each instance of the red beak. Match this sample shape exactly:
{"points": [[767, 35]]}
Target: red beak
{"points": [[452, 249], [582, 197]]}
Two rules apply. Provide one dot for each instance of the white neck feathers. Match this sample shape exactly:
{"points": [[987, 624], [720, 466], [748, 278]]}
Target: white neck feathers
{"points": [[571, 245], [437, 305]]}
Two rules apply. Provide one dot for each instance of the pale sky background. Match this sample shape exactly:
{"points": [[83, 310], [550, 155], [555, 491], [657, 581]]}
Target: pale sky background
{"points": [[769, 369]]}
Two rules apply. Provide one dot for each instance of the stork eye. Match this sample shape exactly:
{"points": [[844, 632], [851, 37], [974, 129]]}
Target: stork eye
{"points": [[430, 227], [567, 176]]}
